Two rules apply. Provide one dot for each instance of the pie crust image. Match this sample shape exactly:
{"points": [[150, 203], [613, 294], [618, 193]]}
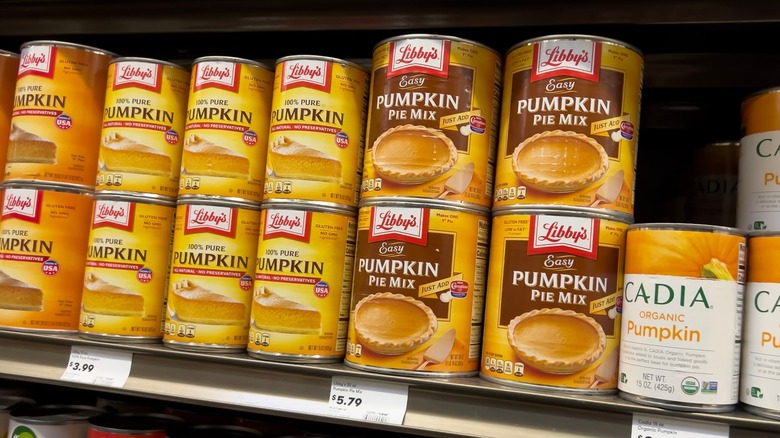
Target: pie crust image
{"points": [[413, 154], [18, 295], [203, 157], [273, 312], [290, 159], [194, 303], [109, 299], [26, 147], [393, 324], [556, 341], [122, 154], [559, 161]]}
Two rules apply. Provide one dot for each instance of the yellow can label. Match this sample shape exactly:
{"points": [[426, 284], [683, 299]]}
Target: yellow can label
{"points": [[226, 134], [432, 121], [211, 275], [58, 106], [418, 290], [127, 268], [303, 282], [318, 118], [570, 122], [43, 248], [9, 66], [143, 126], [552, 315]]}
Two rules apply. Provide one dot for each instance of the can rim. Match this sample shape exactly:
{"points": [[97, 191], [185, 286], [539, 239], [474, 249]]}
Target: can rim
{"points": [[434, 36], [768, 90], [673, 226], [322, 58], [148, 60], [46, 187], [763, 233], [130, 197], [304, 206], [57, 43], [232, 59], [574, 36], [400, 201], [561, 212], [220, 202], [22, 414], [8, 54]]}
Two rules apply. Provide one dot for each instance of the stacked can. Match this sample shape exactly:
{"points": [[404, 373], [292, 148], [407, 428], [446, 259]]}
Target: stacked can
{"points": [[422, 235], [51, 151], [563, 198], [306, 248], [133, 211], [217, 222]]}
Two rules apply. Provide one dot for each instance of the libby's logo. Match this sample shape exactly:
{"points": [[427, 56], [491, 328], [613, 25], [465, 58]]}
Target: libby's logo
{"points": [[429, 56], [577, 58], [208, 219], [573, 235], [24, 204], [37, 60], [115, 214], [217, 74], [291, 224], [405, 224], [145, 75], [306, 73]]}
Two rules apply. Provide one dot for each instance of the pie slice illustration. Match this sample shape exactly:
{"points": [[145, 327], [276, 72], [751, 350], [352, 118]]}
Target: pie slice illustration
{"points": [[194, 303], [202, 157], [109, 299], [290, 159], [275, 313], [413, 154], [123, 154], [392, 324], [18, 295], [26, 147]]}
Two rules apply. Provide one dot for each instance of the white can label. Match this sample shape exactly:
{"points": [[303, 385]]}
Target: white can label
{"points": [[761, 347], [758, 187], [680, 339]]}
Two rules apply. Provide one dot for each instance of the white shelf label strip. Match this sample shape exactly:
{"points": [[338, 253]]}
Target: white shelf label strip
{"points": [[98, 366], [368, 400], [647, 426]]}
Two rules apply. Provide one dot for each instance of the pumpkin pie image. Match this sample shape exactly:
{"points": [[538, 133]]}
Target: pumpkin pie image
{"points": [[392, 324], [193, 303], [413, 154], [291, 159], [119, 153], [556, 341], [273, 312], [26, 147], [18, 295], [109, 299], [559, 161], [203, 157]]}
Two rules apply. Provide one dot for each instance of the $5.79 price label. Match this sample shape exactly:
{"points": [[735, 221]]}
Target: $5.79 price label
{"points": [[97, 366], [367, 400]]}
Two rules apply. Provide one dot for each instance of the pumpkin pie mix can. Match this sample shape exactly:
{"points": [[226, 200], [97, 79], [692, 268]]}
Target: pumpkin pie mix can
{"points": [[682, 316], [318, 119], [226, 136], [418, 290], [57, 111], [9, 67], [432, 120], [570, 121], [127, 269], [303, 282], [212, 271], [43, 249], [759, 388], [553, 312]]}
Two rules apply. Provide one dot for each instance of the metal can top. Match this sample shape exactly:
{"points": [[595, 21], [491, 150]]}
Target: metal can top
{"points": [[55, 414], [131, 197], [322, 58], [401, 201], [8, 54], [48, 187], [763, 233], [760, 92], [66, 44], [148, 60], [135, 422], [218, 201], [310, 206], [10, 402], [671, 226], [576, 37], [217, 58], [552, 211], [432, 36]]}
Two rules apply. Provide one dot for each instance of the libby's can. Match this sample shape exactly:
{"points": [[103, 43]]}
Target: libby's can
{"points": [[9, 67]]}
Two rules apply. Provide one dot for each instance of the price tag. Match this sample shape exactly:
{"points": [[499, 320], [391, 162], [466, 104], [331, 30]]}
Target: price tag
{"points": [[97, 366], [651, 426], [368, 400]]}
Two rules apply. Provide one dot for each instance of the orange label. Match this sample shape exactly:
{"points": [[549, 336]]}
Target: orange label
{"points": [[211, 275], [9, 66], [226, 134], [318, 117], [127, 269], [42, 267], [764, 253], [58, 104], [760, 113], [143, 126]]}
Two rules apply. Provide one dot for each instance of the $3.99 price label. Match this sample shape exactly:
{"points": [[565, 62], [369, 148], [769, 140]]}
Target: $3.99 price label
{"points": [[368, 400], [97, 366]]}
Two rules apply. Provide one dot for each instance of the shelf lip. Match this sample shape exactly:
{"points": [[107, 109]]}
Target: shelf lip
{"points": [[451, 387]]}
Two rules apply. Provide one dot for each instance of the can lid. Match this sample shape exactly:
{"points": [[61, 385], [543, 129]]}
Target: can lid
{"points": [[55, 414], [313, 206], [573, 211], [135, 197], [671, 226], [45, 186], [66, 44], [217, 58], [148, 60], [768, 90], [322, 58], [218, 201], [9, 54], [575, 36], [406, 201], [431, 36]]}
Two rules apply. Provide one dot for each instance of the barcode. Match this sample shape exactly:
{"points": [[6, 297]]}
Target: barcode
{"points": [[376, 417]]}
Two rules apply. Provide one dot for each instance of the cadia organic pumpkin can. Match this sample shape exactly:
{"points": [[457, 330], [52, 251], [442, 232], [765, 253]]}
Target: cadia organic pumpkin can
{"points": [[682, 316]]}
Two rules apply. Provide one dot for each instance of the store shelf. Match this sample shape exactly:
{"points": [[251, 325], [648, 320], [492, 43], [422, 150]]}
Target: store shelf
{"points": [[437, 407]]}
